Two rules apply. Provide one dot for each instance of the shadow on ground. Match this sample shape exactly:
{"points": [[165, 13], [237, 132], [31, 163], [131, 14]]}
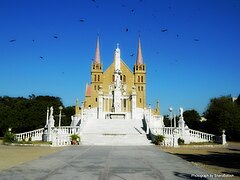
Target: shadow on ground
{"points": [[220, 159]]}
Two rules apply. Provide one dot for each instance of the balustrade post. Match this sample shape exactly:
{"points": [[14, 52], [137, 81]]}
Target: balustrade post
{"points": [[223, 138]]}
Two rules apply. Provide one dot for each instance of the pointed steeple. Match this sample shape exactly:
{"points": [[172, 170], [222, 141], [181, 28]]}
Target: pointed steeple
{"points": [[76, 107], [88, 90], [97, 53], [139, 59]]}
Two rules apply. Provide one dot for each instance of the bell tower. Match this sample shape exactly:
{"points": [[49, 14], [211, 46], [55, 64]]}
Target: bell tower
{"points": [[96, 76], [139, 72]]}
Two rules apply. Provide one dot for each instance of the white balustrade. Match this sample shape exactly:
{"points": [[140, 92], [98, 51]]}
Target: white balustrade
{"points": [[197, 136], [35, 135], [63, 133]]}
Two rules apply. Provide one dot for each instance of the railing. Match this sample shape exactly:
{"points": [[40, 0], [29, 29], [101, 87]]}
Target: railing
{"points": [[195, 136], [35, 135], [68, 130], [63, 133], [165, 131], [61, 140]]}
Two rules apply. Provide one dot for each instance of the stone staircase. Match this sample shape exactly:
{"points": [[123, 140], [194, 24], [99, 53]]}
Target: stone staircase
{"points": [[114, 132]]}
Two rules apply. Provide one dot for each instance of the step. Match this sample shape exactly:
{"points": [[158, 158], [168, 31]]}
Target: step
{"points": [[114, 139], [114, 132], [113, 125]]}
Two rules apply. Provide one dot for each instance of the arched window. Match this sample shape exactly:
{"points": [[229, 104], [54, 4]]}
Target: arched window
{"points": [[138, 78], [141, 78], [95, 87], [95, 77], [96, 99], [98, 77], [143, 67], [120, 77], [124, 78], [142, 88], [140, 100], [138, 88]]}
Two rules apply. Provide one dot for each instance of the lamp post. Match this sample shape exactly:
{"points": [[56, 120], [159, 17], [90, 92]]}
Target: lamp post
{"points": [[60, 115], [170, 115], [174, 120]]}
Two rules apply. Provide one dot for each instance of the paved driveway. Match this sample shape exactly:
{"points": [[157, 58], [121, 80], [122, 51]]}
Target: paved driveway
{"points": [[106, 162]]}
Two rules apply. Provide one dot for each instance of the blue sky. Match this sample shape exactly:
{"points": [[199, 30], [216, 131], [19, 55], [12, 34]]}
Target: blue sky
{"points": [[196, 59]]}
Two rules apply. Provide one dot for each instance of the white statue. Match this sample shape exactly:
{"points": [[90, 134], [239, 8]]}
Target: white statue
{"points": [[51, 111], [181, 112]]}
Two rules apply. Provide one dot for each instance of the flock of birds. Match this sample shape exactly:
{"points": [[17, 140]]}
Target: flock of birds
{"points": [[41, 57], [163, 30]]}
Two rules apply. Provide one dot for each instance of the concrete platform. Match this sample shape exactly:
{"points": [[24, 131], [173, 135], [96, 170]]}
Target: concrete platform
{"points": [[106, 163]]}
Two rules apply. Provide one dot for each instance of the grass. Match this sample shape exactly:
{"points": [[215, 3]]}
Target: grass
{"points": [[204, 143], [15, 155], [215, 159], [29, 143]]}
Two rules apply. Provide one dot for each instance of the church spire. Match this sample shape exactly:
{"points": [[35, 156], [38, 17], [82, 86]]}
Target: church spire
{"points": [[97, 53], [139, 59], [77, 108]]}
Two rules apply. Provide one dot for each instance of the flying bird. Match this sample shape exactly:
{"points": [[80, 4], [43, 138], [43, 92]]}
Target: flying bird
{"points": [[126, 29], [196, 39], [55, 37], [132, 54], [12, 40], [164, 30], [41, 57], [82, 20]]}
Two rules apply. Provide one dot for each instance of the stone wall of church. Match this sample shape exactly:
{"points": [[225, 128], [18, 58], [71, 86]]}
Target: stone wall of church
{"points": [[127, 78]]}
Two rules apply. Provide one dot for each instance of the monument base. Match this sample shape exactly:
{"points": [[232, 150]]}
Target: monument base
{"points": [[116, 115]]}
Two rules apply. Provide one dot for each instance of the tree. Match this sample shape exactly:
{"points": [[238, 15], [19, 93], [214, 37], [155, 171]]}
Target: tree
{"points": [[67, 113], [26, 114], [223, 113], [166, 121], [192, 119], [238, 100]]}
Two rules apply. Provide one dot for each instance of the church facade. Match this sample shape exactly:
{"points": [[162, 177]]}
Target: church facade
{"points": [[117, 92], [114, 111]]}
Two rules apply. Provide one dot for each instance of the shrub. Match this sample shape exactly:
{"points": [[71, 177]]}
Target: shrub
{"points": [[75, 137], [9, 137], [180, 141], [158, 139]]}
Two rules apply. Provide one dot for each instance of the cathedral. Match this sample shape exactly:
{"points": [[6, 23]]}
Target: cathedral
{"points": [[114, 111], [117, 92]]}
